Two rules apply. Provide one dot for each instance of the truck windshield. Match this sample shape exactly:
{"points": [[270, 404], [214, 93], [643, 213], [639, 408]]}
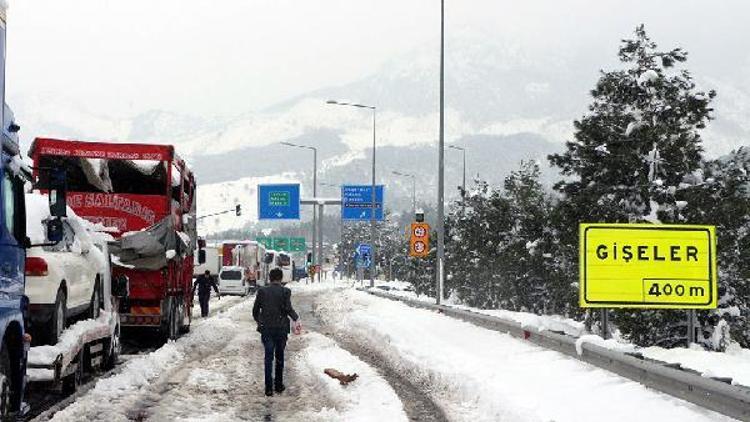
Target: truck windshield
{"points": [[140, 177], [231, 275], [283, 260]]}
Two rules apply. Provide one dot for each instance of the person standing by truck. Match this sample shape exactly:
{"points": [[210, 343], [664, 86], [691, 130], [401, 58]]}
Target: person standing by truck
{"points": [[272, 310], [204, 283]]}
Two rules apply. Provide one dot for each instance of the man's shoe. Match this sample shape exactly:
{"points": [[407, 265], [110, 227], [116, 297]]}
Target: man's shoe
{"points": [[280, 388], [269, 392]]}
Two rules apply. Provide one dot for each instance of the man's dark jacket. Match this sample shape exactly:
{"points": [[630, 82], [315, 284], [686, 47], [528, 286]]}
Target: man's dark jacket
{"points": [[273, 308], [204, 284]]}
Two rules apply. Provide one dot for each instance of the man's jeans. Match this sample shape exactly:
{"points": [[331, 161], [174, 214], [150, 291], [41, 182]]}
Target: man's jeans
{"points": [[274, 343], [203, 300]]}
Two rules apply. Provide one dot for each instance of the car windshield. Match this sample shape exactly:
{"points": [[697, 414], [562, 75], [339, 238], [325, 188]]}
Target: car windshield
{"points": [[231, 275], [141, 177]]}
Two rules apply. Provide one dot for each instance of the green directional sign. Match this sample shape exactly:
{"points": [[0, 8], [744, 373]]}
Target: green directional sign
{"points": [[279, 199], [297, 244], [265, 241], [281, 243], [287, 244]]}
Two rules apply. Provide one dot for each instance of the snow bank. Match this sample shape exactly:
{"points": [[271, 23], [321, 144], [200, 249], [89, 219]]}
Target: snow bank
{"points": [[610, 344], [527, 320], [734, 363], [368, 398], [482, 375]]}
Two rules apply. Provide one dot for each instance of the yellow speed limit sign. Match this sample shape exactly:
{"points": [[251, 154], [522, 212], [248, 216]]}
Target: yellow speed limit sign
{"points": [[648, 266]]}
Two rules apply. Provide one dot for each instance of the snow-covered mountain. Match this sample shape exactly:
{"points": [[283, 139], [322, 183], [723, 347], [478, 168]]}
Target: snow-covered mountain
{"points": [[503, 102]]}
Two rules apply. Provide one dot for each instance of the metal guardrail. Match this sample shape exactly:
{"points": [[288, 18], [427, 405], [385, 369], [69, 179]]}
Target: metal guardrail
{"points": [[711, 393]]}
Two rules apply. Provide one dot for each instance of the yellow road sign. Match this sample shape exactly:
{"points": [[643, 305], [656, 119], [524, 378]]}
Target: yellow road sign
{"points": [[648, 266], [419, 242]]}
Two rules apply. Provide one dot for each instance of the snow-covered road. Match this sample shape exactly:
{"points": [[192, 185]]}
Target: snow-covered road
{"points": [[477, 374], [413, 365], [215, 374]]}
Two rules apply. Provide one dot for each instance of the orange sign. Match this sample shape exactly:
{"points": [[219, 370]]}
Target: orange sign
{"points": [[419, 242]]}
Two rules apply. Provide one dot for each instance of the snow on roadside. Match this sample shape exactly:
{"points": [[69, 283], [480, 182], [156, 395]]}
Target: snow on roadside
{"points": [[527, 320], [111, 398], [734, 363], [368, 398], [480, 375]]}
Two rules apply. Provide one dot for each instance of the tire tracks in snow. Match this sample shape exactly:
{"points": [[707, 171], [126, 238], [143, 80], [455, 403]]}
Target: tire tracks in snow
{"points": [[418, 404]]}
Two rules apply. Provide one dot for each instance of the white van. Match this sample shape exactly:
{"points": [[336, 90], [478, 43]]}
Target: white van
{"points": [[282, 261], [232, 282]]}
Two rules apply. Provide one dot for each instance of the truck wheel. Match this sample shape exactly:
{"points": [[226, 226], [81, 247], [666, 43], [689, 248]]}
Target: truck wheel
{"points": [[96, 302], [57, 323], [5, 387]]}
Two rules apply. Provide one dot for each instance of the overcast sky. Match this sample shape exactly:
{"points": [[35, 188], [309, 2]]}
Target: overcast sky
{"points": [[225, 57]]}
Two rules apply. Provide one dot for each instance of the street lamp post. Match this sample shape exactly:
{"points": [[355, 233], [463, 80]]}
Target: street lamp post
{"points": [[441, 167], [463, 182], [413, 190], [341, 231], [373, 264], [315, 257]]}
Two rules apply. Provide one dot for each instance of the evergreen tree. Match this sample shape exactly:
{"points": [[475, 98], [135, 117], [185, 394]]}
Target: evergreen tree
{"points": [[632, 151]]}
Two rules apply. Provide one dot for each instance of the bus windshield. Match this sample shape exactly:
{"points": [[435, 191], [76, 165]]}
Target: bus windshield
{"points": [[140, 177]]}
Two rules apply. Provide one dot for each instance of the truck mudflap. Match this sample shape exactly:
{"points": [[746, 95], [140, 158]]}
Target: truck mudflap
{"points": [[53, 363]]}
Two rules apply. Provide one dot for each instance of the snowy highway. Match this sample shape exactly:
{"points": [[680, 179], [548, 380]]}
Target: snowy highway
{"points": [[412, 365]]}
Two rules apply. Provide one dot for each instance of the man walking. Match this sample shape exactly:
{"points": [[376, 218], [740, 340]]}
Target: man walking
{"points": [[272, 310], [204, 283]]}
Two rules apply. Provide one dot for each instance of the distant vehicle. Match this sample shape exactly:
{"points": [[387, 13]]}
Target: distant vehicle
{"points": [[283, 261], [213, 262], [232, 282], [64, 279], [300, 273], [146, 192], [249, 255]]}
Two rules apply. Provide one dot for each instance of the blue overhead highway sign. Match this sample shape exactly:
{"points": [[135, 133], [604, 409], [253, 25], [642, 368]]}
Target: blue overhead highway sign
{"points": [[278, 202], [356, 202]]}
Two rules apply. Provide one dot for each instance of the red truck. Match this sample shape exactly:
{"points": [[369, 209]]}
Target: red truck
{"points": [[146, 194]]}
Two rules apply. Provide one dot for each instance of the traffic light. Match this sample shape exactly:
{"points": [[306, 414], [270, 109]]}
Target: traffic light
{"points": [[237, 210], [309, 257]]}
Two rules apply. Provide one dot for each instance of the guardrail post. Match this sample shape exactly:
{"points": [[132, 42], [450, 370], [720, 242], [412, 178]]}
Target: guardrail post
{"points": [[605, 323]]}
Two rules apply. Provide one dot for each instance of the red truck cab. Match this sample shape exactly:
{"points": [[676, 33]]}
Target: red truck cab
{"points": [[133, 188]]}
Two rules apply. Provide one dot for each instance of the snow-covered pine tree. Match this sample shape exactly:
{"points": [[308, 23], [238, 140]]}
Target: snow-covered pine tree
{"points": [[719, 194], [631, 151]]}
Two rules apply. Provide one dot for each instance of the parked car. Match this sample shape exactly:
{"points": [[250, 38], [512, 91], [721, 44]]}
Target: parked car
{"points": [[64, 279], [232, 281]]}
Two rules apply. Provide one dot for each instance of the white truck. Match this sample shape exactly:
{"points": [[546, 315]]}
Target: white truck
{"points": [[213, 261]]}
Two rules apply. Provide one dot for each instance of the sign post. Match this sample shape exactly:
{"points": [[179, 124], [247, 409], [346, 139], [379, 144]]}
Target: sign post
{"points": [[279, 202]]}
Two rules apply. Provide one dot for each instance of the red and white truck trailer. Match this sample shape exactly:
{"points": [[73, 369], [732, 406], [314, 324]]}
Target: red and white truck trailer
{"points": [[250, 256], [146, 193]]}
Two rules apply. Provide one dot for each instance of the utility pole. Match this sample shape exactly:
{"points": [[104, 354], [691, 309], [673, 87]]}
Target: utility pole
{"points": [[373, 198], [441, 168], [315, 257]]}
